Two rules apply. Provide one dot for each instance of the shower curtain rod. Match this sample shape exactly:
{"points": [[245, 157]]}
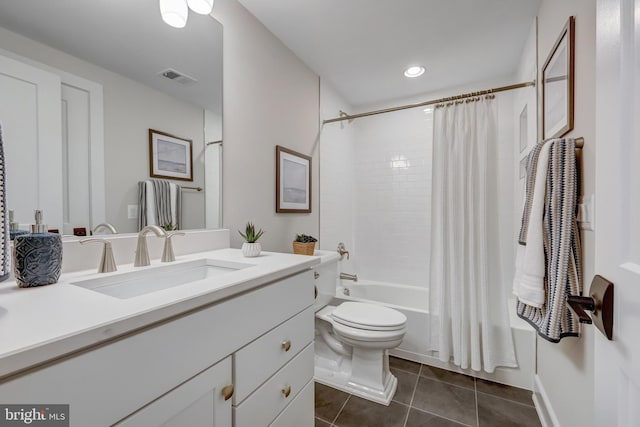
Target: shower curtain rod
{"points": [[345, 116]]}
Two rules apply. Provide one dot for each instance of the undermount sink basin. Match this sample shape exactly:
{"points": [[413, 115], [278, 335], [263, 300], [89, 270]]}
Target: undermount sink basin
{"points": [[141, 282]]}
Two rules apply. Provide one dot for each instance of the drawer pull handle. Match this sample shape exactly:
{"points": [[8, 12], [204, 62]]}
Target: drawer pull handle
{"points": [[227, 392], [286, 390], [286, 345], [316, 275]]}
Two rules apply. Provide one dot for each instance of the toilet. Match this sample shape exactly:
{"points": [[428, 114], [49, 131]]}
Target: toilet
{"points": [[352, 339]]}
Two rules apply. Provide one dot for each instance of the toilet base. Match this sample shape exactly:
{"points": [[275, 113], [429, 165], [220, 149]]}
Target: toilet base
{"points": [[339, 377]]}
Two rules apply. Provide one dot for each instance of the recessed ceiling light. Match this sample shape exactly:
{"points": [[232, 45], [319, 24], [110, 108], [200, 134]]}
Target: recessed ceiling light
{"points": [[414, 71]]}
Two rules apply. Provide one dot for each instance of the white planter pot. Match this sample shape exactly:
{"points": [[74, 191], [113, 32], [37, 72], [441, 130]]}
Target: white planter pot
{"points": [[251, 250]]}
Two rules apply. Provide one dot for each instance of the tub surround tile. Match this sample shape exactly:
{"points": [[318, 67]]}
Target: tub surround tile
{"points": [[329, 402], [404, 365], [359, 412], [449, 377], [419, 418], [447, 400], [495, 411], [406, 384], [504, 391]]}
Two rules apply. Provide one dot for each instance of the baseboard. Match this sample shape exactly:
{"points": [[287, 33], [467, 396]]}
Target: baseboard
{"points": [[543, 405]]}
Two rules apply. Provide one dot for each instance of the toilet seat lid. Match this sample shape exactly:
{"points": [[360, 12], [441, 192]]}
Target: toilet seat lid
{"points": [[368, 316]]}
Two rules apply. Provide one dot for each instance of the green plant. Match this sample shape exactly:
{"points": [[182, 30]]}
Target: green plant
{"points": [[169, 227], [305, 238], [250, 234]]}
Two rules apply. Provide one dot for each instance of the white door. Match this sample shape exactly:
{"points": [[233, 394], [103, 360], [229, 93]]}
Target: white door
{"points": [[83, 151], [31, 125], [617, 362]]}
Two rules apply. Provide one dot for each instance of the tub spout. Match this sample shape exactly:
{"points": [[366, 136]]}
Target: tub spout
{"points": [[346, 276]]}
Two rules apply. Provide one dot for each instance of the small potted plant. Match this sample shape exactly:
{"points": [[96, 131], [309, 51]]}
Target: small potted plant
{"points": [[251, 248], [304, 244]]}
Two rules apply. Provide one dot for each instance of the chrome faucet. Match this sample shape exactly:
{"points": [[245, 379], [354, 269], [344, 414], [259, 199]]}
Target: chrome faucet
{"points": [[107, 262], [106, 225], [167, 253], [346, 276], [342, 250], [142, 252]]}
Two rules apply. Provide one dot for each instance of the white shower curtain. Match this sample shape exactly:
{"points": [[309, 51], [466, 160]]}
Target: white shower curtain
{"points": [[467, 302]]}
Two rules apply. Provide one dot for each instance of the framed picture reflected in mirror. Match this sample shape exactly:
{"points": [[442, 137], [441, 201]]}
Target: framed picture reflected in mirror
{"points": [[170, 157]]}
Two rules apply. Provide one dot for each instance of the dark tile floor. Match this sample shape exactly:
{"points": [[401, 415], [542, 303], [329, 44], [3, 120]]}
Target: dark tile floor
{"points": [[426, 397]]}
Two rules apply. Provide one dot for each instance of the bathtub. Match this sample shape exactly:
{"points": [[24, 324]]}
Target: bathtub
{"points": [[413, 302]]}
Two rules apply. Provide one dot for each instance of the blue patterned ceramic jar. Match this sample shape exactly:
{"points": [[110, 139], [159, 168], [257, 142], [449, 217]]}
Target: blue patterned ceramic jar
{"points": [[14, 233], [37, 259]]}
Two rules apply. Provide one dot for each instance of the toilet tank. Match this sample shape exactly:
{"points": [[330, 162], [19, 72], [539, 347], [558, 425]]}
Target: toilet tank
{"points": [[326, 277]]}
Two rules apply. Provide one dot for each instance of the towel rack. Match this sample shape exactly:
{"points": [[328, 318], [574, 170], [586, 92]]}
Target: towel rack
{"points": [[191, 188]]}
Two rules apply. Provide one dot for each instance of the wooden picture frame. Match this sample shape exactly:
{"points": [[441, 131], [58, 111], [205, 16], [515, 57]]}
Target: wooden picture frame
{"points": [[558, 85], [170, 157], [293, 181]]}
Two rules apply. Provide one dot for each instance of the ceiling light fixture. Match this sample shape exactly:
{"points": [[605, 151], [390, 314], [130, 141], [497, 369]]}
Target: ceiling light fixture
{"points": [[176, 12], [415, 71], [203, 7]]}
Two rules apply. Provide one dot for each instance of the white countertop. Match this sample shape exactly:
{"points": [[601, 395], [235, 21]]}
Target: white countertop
{"points": [[46, 322]]}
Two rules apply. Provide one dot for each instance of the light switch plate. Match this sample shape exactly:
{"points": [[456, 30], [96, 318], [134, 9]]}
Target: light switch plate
{"points": [[586, 213], [132, 211]]}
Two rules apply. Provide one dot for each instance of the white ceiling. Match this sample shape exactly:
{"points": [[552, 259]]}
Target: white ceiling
{"points": [[129, 38], [363, 46]]}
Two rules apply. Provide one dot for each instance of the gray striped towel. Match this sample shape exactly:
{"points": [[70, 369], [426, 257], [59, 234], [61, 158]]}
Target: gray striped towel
{"points": [[4, 223], [162, 201], [563, 255], [167, 211]]}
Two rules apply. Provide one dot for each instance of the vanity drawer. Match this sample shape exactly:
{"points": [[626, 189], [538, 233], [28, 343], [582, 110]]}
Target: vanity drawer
{"points": [[299, 411], [262, 407], [257, 361]]}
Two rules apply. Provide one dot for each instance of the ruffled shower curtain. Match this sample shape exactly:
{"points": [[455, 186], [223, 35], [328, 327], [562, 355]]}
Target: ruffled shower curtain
{"points": [[469, 316]]}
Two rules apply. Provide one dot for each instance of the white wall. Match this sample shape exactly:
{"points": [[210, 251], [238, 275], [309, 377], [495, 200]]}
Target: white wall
{"points": [[130, 109], [270, 98], [565, 370], [524, 98], [337, 176]]}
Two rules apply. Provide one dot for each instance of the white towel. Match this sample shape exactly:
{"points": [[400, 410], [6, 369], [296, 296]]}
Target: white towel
{"points": [[151, 203], [528, 283]]}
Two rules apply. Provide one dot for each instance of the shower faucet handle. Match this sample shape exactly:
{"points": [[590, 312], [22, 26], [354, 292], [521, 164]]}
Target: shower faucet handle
{"points": [[342, 250]]}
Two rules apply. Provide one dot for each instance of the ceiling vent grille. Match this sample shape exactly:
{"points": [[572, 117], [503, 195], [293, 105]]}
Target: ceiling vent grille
{"points": [[177, 76]]}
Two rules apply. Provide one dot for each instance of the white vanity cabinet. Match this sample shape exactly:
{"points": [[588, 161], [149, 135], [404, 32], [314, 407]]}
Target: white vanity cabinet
{"points": [[182, 371], [201, 401]]}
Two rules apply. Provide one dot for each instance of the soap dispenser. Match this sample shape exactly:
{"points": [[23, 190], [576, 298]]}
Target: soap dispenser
{"points": [[37, 257]]}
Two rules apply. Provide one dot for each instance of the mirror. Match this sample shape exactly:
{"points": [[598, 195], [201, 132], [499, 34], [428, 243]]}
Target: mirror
{"points": [[126, 72]]}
